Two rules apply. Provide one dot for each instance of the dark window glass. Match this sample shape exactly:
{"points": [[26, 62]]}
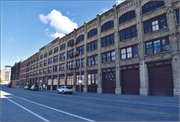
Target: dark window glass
{"points": [[128, 33], [50, 52], [71, 43], [80, 38], [147, 27], [56, 50], [62, 56], [107, 40], [135, 51], [126, 16], [70, 54], [107, 26], [177, 15], [109, 56], [160, 3], [146, 8], [152, 5], [149, 48], [63, 46]]}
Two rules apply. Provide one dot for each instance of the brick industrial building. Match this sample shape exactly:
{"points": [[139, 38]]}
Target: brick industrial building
{"points": [[132, 48]]}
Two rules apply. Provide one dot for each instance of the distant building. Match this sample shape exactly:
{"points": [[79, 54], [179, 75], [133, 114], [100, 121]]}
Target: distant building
{"points": [[5, 75], [15, 73]]}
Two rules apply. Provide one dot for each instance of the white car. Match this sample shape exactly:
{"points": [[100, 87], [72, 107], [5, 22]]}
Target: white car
{"points": [[65, 89]]}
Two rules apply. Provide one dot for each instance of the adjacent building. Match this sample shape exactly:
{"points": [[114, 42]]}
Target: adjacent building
{"points": [[15, 74], [132, 48]]}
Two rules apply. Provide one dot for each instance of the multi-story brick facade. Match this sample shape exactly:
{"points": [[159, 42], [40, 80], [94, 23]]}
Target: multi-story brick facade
{"points": [[131, 49]]}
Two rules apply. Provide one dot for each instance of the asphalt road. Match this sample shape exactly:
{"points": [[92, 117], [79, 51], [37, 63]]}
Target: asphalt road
{"points": [[24, 105]]}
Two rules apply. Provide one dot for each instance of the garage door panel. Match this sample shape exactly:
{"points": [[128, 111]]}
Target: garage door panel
{"points": [[160, 80], [130, 81]]}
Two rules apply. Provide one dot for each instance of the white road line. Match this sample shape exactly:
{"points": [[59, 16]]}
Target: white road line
{"points": [[28, 110], [56, 109]]}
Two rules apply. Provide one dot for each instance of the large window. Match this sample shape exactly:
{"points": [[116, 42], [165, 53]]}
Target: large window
{"points": [[155, 24], [41, 64], [107, 26], [55, 59], [56, 50], [158, 45], [49, 60], [44, 71], [61, 80], [108, 56], [92, 78], [177, 15], [37, 58], [127, 16], [80, 38], [63, 46], [92, 33], [61, 67], [80, 49], [92, 60], [107, 40], [50, 52], [45, 62], [129, 52], [40, 72], [70, 54], [78, 78], [128, 33], [152, 6], [37, 65], [70, 80], [45, 55], [55, 68], [49, 69], [41, 57], [92, 46], [62, 56], [71, 43], [34, 66], [78, 63], [70, 65]]}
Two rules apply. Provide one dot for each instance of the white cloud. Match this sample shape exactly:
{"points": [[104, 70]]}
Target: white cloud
{"points": [[60, 23], [104, 9], [120, 1], [53, 35]]}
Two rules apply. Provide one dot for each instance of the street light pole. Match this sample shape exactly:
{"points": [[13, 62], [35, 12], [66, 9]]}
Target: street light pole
{"points": [[80, 74]]}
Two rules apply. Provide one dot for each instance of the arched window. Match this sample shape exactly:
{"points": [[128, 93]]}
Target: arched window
{"points": [[107, 26], [63, 46], [70, 43], [127, 16], [152, 5], [50, 52], [80, 38], [56, 50], [92, 33], [45, 55]]}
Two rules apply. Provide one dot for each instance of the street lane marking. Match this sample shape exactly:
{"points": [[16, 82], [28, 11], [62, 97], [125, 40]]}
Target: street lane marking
{"points": [[56, 109], [145, 111], [28, 110]]}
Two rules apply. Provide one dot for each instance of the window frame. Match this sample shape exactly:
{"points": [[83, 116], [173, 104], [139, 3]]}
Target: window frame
{"points": [[78, 39], [177, 16], [49, 71], [56, 49], [50, 52], [108, 57], [70, 66], [107, 27], [71, 43], [89, 34], [45, 62], [63, 67], [41, 57], [107, 41], [63, 56], [55, 60], [151, 20], [148, 3], [50, 60], [92, 60], [90, 43], [77, 49], [126, 52], [69, 55], [45, 55], [55, 68], [161, 45], [78, 62], [130, 18], [63, 46], [131, 33]]}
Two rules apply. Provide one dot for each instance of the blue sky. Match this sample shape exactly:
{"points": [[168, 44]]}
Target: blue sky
{"points": [[26, 26]]}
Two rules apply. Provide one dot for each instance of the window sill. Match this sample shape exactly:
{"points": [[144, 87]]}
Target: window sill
{"points": [[95, 36], [108, 62], [129, 58], [126, 22], [92, 65], [152, 32], [108, 30], [108, 45], [129, 39], [91, 51], [167, 51]]}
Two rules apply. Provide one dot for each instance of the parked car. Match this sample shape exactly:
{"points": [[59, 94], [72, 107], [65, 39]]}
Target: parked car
{"points": [[65, 89], [34, 88], [27, 87], [9, 85]]}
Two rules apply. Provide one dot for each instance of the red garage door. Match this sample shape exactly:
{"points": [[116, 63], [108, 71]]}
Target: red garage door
{"points": [[161, 80], [109, 81], [130, 81]]}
